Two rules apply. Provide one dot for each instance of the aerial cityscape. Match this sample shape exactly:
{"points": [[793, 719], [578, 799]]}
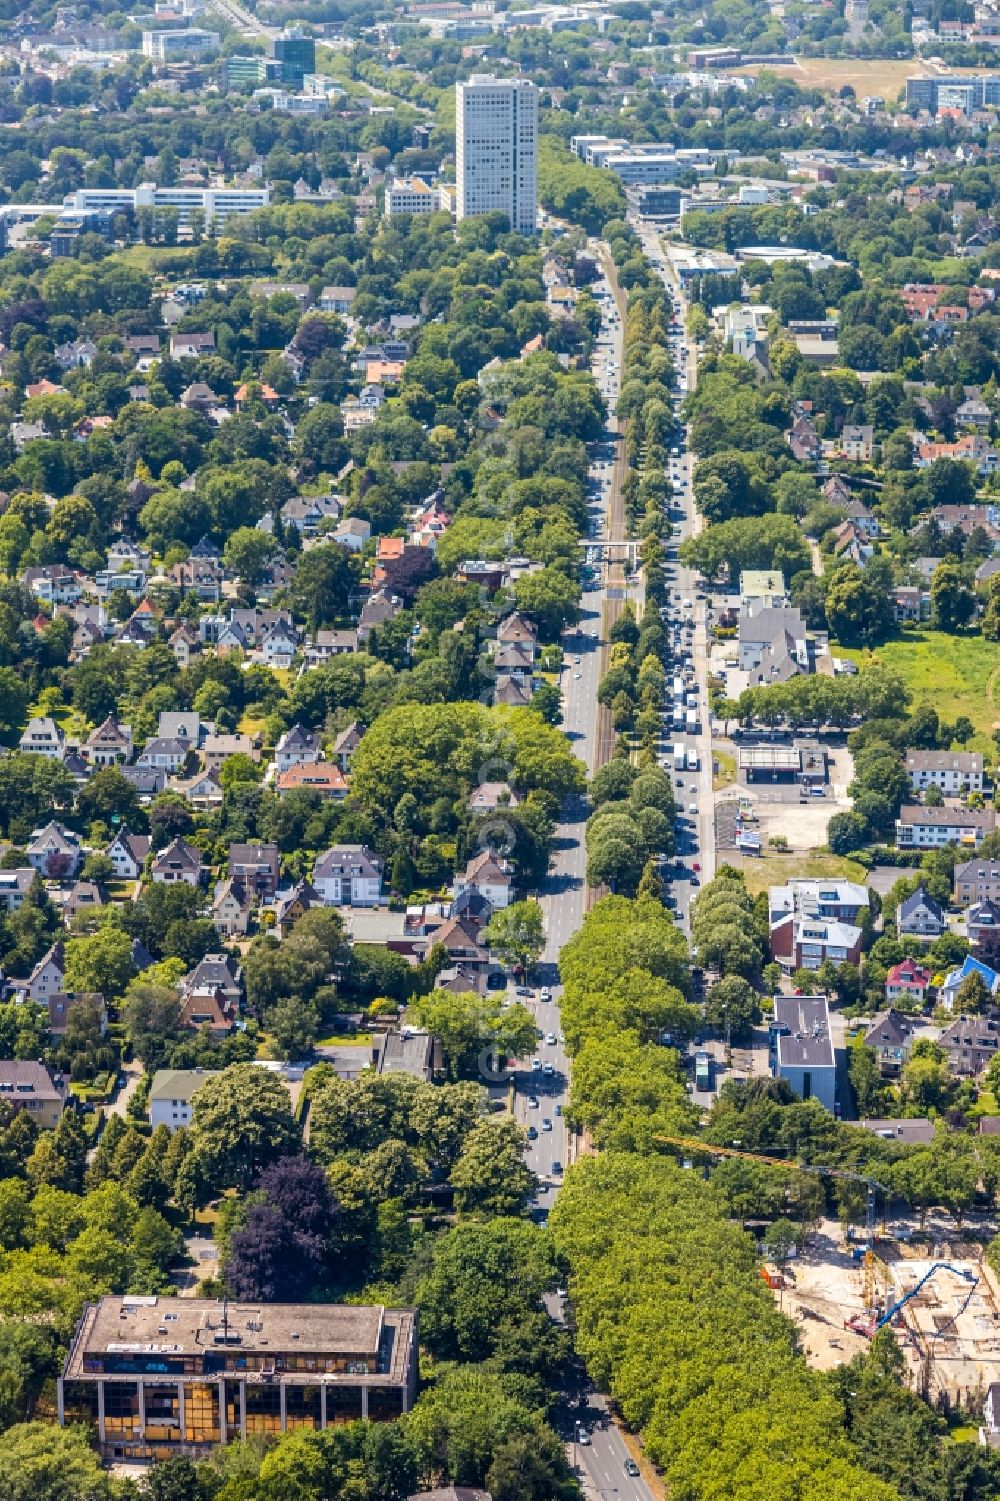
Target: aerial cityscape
{"points": [[499, 736]]}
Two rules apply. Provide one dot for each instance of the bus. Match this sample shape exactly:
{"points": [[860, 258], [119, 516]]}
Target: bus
{"points": [[702, 1070]]}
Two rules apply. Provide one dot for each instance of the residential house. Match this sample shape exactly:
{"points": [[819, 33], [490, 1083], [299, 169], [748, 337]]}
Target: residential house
{"points": [[54, 851], [968, 519], [337, 299], [491, 795], [79, 354], [907, 981], [808, 942], [772, 644], [843, 901], [219, 972], [974, 413], [322, 777], [53, 584], [804, 441], [202, 577], [42, 737], [191, 346], [290, 905], [982, 927], [255, 867], [171, 1094], [406, 1052], [989, 1431], [932, 828], [352, 533], [203, 791], [84, 896], [953, 772], [185, 644], [349, 875], [27, 1085], [297, 747], [461, 942], [207, 1006], [148, 781], [490, 874], [308, 512], [279, 645], [327, 644], [970, 1044], [862, 519], [890, 1036], [856, 442], [49, 975], [231, 908], [910, 604], [919, 916], [377, 609], [183, 726], [218, 748], [178, 862], [517, 629], [948, 990], [61, 1003], [347, 743], [15, 886], [110, 744], [198, 397], [166, 755], [802, 1047], [127, 853]]}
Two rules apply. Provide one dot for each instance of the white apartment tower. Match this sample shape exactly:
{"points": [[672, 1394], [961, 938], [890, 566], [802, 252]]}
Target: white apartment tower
{"points": [[496, 131]]}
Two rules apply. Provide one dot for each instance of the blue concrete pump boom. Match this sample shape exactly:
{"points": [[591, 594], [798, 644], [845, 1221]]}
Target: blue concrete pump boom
{"points": [[939, 1266]]}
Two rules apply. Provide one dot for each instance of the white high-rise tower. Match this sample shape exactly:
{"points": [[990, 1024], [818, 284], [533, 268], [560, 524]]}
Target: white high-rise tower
{"points": [[496, 132]]}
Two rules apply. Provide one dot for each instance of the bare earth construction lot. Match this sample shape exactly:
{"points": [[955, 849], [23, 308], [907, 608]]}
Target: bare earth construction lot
{"points": [[878, 75], [949, 1332]]}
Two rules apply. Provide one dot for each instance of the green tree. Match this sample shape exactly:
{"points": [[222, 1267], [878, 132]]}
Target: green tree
{"points": [[490, 1176], [241, 1120], [39, 1462], [517, 935]]}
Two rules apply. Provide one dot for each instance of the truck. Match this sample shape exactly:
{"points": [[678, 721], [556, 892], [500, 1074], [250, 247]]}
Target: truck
{"points": [[680, 756], [702, 1070], [678, 716], [690, 760], [691, 720], [678, 690]]}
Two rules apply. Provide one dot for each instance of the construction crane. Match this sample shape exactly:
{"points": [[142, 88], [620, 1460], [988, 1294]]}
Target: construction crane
{"points": [[872, 1185], [871, 1326]]}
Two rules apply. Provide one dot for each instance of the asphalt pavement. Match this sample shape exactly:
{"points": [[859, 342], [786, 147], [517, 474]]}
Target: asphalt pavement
{"points": [[695, 860], [541, 1082]]}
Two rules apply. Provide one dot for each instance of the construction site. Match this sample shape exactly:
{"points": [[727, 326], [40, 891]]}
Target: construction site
{"points": [[941, 1301], [935, 1292]]}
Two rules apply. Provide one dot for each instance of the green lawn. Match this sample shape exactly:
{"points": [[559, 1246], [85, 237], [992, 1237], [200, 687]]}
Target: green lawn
{"points": [[956, 674], [775, 870]]}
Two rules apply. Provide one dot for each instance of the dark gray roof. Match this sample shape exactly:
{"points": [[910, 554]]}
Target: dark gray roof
{"points": [[806, 1043]]}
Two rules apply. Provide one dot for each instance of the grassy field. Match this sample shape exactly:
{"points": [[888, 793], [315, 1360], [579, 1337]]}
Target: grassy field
{"points": [[955, 674], [775, 870], [727, 769]]}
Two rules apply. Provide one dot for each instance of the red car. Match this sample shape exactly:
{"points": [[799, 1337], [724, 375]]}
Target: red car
{"points": [[695, 865]]}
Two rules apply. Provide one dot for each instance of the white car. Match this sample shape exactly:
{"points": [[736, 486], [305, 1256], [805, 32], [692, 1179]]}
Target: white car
{"points": [[692, 807], [551, 1039], [536, 1064]]}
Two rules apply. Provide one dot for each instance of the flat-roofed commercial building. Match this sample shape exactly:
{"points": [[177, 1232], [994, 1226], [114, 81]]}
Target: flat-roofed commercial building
{"points": [[161, 1376]]}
